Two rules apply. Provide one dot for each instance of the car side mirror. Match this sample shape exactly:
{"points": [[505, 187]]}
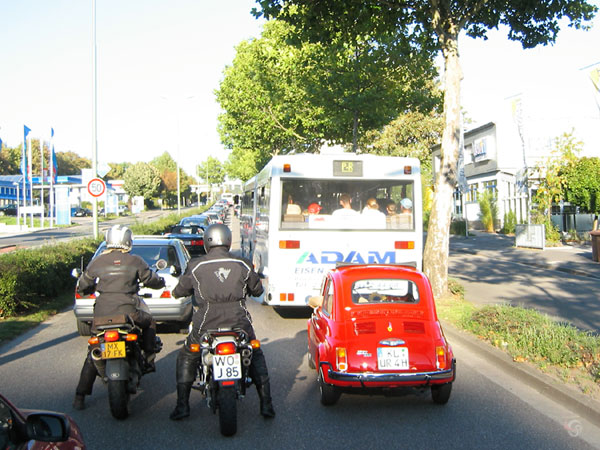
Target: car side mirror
{"points": [[76, 273], [47, 427], [315, 302]]}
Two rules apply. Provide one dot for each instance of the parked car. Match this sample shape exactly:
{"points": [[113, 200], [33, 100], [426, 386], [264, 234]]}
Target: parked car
{"points": [[374, 329], [155, 250], [8, 210], [37, 430], [213, 217], [81, 212], [192, 237]]}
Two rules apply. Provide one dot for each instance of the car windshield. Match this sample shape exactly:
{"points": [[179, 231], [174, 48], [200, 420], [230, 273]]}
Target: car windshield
{"points": [[198, 221], [384, 291], [151, 253], [192, 229]]}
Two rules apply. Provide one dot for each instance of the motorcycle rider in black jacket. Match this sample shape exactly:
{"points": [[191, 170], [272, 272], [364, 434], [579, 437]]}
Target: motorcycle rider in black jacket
{"points": [[220, 283], [116, 275]]}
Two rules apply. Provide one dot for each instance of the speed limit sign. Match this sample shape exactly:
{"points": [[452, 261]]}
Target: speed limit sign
{"points": [[96, 187]]}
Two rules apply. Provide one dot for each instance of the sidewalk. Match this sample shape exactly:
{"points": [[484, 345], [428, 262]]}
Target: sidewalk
{"points": [[575, 259]]}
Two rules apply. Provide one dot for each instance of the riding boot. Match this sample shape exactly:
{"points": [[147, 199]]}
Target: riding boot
{"points": [[149, 365], [266, 403], [183, 401], [79, 402]]}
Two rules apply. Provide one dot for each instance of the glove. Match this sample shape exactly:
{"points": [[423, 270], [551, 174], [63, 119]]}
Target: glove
{"points": [[161, 283]]}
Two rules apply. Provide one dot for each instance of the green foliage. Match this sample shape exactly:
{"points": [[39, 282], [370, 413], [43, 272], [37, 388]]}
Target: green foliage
{"points": [[488, 210], [32, 277], [158, 227], [70, 163], [10, 160], [458, 227], [528, 335], [510, 223], [141, 179], [117, 171], [583, 184], [552, 234], [211, 171]]}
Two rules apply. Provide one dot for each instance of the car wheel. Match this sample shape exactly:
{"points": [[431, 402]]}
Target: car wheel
{"points": [[441, 393], [329, 394], [84, 328]]}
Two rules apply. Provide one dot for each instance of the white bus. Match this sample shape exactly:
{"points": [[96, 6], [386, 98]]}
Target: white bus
{"points": [[289, 230]]}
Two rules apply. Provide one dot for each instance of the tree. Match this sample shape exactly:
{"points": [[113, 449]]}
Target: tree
{"points": [[117, 171], [70, 163], [10, 160], [211, 171], [439, 23], [583, 185], [141, 179], [279, 97]]}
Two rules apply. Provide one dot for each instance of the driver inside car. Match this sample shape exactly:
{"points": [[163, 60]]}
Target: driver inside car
{"points": [[116, 275]]}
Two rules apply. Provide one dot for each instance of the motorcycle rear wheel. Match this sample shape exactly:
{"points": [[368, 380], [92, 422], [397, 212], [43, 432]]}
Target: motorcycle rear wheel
{"points": [[118, 397], [227, 411]]}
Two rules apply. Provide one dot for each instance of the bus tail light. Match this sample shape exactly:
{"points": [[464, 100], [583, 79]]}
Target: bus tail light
{"points": [[341, 359], [283, 297], [287, 168], [404, 245], [289, 244], [407, 170]]}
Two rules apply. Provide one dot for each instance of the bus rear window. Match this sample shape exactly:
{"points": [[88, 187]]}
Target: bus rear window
{"points": [[347, 204]]}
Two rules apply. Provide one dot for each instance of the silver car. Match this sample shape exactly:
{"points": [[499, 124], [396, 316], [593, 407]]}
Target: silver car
{"points": [[169, 258]]}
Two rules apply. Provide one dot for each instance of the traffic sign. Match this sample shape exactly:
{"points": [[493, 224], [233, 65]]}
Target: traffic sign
{"points": [[96, 187]]}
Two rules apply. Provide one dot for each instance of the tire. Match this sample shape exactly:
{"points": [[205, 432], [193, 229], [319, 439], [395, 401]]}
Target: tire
{"points": [[440, 394], [84, 328], [118, 398], [227, 404], [329, 394]]}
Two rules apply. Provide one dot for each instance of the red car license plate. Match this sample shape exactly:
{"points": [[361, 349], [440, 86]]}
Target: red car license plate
{"points": [[392, 358]]}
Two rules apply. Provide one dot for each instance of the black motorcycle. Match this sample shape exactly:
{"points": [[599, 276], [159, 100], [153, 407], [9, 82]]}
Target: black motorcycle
{"points": [[223, 373], [117, 355]]}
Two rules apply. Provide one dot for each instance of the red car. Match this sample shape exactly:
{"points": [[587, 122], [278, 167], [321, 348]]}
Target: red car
{"points": [[374, 329], [37, 430]]}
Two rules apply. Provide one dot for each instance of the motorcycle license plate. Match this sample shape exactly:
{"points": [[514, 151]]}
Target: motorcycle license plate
{"points": [[113, 350], [227, 367]]}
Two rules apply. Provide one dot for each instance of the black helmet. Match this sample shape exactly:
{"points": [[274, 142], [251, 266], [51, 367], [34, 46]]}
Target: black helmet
{"points": [[217, 235], [119, 236]]}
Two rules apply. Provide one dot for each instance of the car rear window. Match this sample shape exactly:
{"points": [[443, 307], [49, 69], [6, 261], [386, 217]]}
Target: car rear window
{"points": [[151, 254], [384, 290]]}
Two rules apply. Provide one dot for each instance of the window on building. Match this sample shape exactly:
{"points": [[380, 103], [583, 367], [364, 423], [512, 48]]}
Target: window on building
{"points": [[471, 194], [468, 154], [457, 203], [490, 186]]}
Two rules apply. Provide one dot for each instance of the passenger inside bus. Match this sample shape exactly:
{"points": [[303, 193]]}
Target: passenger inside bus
{"points": [[346, 210], [372, 216]]}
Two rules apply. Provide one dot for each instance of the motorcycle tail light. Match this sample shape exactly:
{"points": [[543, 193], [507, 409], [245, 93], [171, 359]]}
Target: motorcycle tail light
{"points": [[255, 343], [195, 348], [111, 336], [441, 361], [341, 359], [228, 383], [165, 294], [226, 348], [131, 337], [93, 340], [78, 295]]}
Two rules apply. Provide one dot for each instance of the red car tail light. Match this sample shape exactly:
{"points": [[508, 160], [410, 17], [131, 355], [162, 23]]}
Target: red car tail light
{"points": [[364, 328], [404, 245], [441, 360], [111, 336], [165, 294], [226, 348], [414, 327], [341, 359], [197, 242], [289, 244]]}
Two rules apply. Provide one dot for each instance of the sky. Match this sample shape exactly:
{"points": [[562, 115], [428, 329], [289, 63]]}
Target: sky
{"points": [[159, 63]]}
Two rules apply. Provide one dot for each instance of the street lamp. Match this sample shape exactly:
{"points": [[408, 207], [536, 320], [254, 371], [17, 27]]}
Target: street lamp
{"points": [[179, 100]]}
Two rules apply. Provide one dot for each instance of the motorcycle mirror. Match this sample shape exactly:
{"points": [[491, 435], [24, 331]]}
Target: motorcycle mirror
{"points": [[161, 264], [76, 273]]}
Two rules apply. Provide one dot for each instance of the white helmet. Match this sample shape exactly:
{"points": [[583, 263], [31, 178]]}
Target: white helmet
{"points": [[119, 236]]}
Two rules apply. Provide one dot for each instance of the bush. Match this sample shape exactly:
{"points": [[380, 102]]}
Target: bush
{"points": [[488, 210], [31, 277], [510, 222], [458, 227], [553, 237]]}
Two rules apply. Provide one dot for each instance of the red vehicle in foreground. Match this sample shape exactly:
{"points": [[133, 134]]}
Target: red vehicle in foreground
{"points": [[374, 329]]}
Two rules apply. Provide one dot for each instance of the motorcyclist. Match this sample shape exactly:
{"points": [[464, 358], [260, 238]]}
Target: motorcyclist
{"points": [[116, 275], [220, 282]]}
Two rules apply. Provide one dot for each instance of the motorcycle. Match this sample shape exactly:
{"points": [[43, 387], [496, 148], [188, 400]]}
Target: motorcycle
{"points": [[223, 372], [117, 355]]}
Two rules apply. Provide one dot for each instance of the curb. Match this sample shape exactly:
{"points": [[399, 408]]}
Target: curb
{"points": [[584, 406]]}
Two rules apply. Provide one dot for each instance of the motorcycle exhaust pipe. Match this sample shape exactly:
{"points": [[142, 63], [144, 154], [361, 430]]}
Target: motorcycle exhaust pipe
{"points": [[96, 354], [246, 353], [246, 361]]}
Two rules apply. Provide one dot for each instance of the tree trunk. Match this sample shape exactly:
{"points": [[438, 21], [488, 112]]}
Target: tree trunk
{"points": [[435, 257]]}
